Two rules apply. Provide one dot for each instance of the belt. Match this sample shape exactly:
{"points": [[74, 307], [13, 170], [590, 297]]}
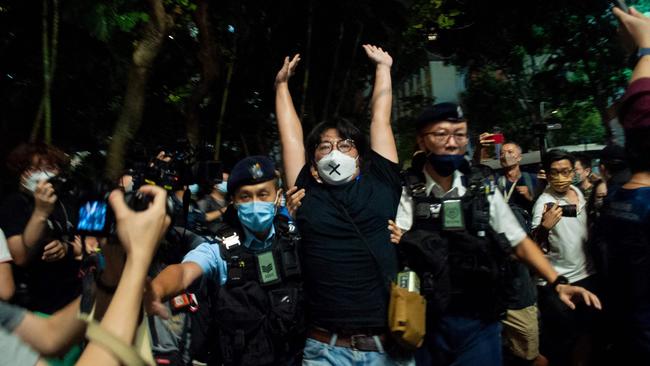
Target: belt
{"points": [[358, 342]]}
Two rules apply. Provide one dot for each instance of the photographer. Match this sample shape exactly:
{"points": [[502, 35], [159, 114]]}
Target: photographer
{"points": [[35, 220], [214, 204], [32, 336], [560, 227]]}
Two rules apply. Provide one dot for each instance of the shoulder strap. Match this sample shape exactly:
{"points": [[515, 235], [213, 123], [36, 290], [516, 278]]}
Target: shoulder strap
{"points": [[528, 181]]}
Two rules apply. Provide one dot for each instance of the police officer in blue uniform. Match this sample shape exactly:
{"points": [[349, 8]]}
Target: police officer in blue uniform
{"points": [[254, 273]]}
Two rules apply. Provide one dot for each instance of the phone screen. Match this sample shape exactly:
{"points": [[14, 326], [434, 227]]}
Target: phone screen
{"points": [[93, 217]]}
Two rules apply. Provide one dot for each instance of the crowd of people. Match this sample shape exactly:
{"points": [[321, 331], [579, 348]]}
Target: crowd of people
{"points": [[292, 264]]}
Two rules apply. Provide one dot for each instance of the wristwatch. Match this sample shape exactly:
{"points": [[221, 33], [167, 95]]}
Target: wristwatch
{"points": [[559, 280], [643, 51]]}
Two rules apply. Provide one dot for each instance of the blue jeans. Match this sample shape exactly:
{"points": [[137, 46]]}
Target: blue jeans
{"points": [[461, 341], [322, 354]]}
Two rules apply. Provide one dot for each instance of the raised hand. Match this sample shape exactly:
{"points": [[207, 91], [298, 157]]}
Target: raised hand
{"points": [[288, 69], [44, 198], [636, 24], [377, 55], [140, 232], [294, 198]]}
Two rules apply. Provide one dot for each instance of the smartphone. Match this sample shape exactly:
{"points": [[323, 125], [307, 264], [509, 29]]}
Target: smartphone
{"points": [[567, 210], [498, 138], [622, 5], [94, 218]]}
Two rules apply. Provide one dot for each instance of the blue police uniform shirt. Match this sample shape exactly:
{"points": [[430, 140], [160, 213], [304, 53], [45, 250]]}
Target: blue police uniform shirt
{"points": [[208, 256]]}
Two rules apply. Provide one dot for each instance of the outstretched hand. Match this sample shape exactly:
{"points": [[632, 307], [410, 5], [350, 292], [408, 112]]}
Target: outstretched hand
{"points": [[288, 69], [571, 294], [377, 55]]}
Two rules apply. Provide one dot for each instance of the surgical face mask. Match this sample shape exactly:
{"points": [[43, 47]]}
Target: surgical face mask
{"points": [[560, 184], [336, 168], [577, 179], [446, 165], [33, 179], [194, 188], [256, 216], [508, 160], [222, 187]]}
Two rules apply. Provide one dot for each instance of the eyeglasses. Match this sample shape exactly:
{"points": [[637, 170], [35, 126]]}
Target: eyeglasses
{"points": [[344, 146], [443, 136], [564, 172]]}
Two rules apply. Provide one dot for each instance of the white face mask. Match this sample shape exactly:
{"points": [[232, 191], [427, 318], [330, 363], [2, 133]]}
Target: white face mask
{"points": [[31, 182], [509, 160], [337, 168]]}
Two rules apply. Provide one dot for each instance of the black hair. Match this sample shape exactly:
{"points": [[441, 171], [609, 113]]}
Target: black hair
{"points": [[346, 130], [556, 155], [584, 160], [20, 158], [637, 148]]}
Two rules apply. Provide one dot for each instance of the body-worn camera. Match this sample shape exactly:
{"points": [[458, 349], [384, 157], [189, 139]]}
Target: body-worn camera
{"points": [[567, 210]]}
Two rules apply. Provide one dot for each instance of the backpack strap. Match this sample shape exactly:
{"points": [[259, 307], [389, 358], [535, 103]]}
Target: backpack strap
{"points": [[528, 181]]}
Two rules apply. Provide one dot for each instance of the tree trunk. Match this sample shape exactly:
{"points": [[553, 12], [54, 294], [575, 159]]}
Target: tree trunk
{"points": [[305, 83], [49, 66], [222, 112], [335, 65], [144, 54], [209, 71], [346, 77]]}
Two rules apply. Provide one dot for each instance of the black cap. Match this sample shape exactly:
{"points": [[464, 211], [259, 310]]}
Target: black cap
{"points": [[251, 170], [450, 112]]}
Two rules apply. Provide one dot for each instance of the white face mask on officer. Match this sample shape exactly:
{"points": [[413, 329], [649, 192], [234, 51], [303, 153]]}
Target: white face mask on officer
{"points": [[337, 168]]}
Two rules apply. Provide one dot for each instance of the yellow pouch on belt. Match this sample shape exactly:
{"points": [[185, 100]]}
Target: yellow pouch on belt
{"points": [[406, 316]]}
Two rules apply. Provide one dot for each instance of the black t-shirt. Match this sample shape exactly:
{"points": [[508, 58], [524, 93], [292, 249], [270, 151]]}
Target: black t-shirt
{"points": [[516, 198], [341, 277], [41, 286]]}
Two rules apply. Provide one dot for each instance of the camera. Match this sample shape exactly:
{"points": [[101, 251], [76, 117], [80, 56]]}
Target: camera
{"points": [[567, 210]]}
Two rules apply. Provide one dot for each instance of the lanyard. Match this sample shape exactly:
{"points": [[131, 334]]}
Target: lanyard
{"points": [[512, 189]]}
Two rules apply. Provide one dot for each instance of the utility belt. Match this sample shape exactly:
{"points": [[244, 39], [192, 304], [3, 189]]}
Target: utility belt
{"points": [[367, 341]]}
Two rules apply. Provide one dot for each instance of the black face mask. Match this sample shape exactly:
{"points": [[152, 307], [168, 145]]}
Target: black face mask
{"points": [[446, 165]]}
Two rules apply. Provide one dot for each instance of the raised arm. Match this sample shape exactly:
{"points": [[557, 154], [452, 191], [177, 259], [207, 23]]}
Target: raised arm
{"points": [[291, 136], [382, 140], [139, 234], [637, 26], [24, 247]]}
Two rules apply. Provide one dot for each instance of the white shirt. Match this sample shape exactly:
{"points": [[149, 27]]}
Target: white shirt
{"points": [[567, 238], [502, 220], [5, 255]]}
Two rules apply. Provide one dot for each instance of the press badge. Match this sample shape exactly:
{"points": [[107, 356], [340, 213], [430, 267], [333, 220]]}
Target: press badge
{"points": [[452, 215], [267, 268]]}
